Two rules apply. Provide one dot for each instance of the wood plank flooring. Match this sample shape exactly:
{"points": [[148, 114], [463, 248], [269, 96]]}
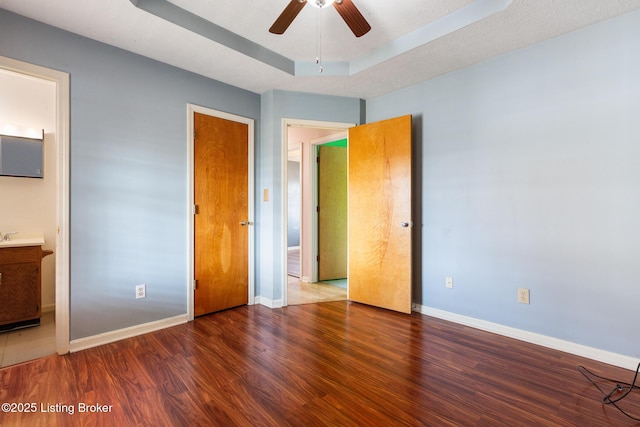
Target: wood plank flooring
{"points": [[327, 364]]}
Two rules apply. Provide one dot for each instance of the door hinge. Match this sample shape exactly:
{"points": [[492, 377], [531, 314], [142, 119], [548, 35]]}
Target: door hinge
{"points": [[318, 258], [317, 208], [195, 284], [195, 209], [318, 159]]}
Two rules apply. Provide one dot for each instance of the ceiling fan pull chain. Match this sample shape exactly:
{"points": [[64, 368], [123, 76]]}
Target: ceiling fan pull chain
{"points": [[319, 45]]}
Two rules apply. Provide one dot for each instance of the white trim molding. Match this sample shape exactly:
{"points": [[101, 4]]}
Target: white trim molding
{"points": [[120, 334], [270, 303], [599, 355]]}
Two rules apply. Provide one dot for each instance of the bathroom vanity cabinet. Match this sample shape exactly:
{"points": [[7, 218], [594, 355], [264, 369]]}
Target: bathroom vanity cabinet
{"points": [[20, 286]]}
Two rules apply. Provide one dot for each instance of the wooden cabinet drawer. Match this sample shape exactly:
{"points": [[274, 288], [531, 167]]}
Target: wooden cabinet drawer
{"points": [[20, 279], [19, 292], [20, 254]]}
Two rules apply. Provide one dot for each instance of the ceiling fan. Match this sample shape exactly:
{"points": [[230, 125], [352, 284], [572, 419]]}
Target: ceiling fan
{"points": [[349, 12]]}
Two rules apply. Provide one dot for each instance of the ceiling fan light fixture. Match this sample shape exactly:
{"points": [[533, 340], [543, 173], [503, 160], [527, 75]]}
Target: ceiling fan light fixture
{"points": [[345, 8], [320, 3]]}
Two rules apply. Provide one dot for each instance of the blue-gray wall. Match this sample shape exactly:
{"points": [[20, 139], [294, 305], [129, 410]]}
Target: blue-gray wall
{"points": [[128, 172], [529, 168], [295, 204]]}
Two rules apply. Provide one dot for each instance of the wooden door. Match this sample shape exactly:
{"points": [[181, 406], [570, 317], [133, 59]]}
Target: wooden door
{"points": [[380, 214], [221, 236], [332, 212]]}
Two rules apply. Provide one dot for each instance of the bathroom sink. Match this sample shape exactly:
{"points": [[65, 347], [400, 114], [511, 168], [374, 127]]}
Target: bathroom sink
{"points": [[23, 239]]}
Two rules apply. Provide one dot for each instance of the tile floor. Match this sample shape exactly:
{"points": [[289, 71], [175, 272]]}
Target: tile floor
{"points": [[29, 343], [299, 292]]}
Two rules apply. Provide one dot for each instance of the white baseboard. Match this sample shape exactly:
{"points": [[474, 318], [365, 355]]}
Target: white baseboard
{"points": [[608, 357], [269, 302], [305, 279], [109, 337]]}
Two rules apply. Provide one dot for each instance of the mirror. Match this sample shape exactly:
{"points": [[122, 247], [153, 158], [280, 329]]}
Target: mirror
{"points": [[21, 156]]}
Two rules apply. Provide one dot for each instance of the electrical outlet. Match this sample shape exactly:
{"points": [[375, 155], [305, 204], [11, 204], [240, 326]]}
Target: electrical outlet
{"points": [[141, 291], [523, 295], [448, 282]]}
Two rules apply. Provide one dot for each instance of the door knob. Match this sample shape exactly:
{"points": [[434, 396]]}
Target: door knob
{"points": [[406, 224], [243, 223]]}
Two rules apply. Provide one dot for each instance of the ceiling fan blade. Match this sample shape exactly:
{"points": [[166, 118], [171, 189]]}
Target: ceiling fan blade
{"points": [[352, 17], [287, 16]]}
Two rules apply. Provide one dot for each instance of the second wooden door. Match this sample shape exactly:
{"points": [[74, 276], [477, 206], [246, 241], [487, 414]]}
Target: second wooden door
{"points": [[332, 212]]}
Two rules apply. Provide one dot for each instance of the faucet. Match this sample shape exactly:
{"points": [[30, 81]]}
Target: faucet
{"points": [[7, 236]]}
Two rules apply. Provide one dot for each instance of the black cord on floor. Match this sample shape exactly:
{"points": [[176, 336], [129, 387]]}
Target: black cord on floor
{"points": [[619, 392]]}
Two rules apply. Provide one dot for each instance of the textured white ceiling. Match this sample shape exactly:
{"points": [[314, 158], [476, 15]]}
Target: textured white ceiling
{"points": [[120, 23]]}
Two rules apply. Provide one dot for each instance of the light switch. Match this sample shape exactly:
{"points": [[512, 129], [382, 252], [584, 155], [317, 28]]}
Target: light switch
{"points": [[265, 195]]}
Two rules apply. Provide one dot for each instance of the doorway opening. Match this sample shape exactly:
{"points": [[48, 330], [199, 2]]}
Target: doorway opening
{"points": [[55, 227], [380, 259], [301, 139]]}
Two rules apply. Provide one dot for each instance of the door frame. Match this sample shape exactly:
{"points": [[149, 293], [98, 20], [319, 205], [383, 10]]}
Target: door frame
{"points": [[286, 124], [191, 110], [61, 80], [295, 147]]}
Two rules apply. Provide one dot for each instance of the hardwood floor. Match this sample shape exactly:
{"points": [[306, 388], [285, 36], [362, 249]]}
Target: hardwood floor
{"points": [[333, 364]]}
